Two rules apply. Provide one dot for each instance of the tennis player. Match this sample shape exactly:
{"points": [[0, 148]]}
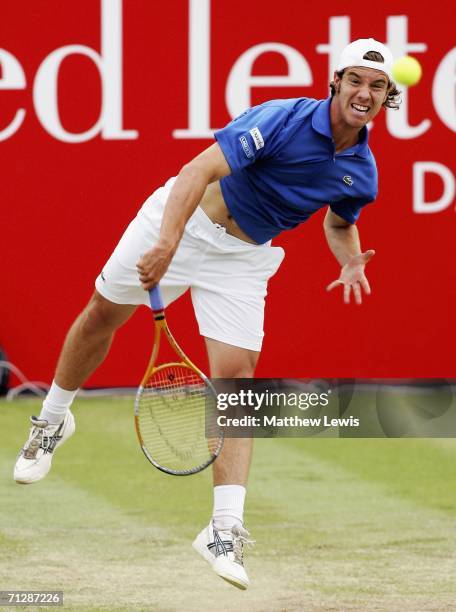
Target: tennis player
{"points": [[210, 229]]}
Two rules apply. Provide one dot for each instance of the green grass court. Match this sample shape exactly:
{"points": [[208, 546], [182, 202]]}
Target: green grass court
{"points": [[340, 524]]}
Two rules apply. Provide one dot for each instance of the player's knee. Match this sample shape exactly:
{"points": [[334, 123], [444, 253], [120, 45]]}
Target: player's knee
{"points": [[100, 316], [238, 369], [228, 361], [242, 372]]}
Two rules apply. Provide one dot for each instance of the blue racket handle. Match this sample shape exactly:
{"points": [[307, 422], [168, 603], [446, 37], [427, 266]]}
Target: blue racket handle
{"points": [[156, 300]]}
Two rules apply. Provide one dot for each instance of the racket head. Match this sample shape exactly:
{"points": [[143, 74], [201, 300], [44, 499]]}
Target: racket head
{"points": [[175, 419]]}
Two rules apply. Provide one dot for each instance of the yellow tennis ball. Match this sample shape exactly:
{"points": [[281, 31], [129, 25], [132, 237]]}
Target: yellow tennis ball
{"points": [[407, 71]]}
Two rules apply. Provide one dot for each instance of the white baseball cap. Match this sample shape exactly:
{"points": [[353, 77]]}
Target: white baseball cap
{"points": [[353, 55]]}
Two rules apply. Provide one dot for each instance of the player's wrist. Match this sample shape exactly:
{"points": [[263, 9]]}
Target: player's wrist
{"points": [[353, 259], [167, 246]]}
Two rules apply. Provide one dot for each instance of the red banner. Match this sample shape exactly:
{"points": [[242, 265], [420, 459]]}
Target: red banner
{"points": [[103, 101]]}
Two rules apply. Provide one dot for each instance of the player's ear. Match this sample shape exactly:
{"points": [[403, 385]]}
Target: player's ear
{"points": [[389, 88], [336, 81]]}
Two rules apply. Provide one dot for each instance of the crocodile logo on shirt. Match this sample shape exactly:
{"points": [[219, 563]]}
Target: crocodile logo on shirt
{"points": [[348, 180]]}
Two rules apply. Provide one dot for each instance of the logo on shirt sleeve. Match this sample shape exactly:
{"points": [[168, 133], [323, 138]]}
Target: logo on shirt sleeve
{"points": [[257, 138], [245, 145]]}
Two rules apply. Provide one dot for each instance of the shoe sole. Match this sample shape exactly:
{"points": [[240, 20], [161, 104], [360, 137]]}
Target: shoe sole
{"points": [[201, 549], [240, 585]]}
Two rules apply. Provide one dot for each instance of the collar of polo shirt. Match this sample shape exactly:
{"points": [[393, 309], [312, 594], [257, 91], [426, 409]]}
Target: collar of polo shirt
{"points": [[321, 123]]}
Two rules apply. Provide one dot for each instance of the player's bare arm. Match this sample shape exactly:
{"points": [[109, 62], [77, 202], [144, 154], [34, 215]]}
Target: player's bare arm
{"points": [[185, 195], [343, 240]]}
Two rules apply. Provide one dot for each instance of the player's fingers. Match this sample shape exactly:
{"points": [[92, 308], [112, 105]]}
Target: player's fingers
{"points": [[367, 256], [147, 285], [144, 260], [140, 265], [365, 285], [146, 275], [335, 283], [357, 293], [347, 294]]}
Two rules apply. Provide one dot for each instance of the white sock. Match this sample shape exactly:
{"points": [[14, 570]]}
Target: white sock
{"points": [[56, 404], [228, 506]]}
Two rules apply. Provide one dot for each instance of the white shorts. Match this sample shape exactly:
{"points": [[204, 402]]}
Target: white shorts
{"points": [[227, 276]]}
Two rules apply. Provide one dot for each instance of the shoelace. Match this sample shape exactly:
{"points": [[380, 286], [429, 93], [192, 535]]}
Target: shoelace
{"points": [[39, 438], [238, 547]]}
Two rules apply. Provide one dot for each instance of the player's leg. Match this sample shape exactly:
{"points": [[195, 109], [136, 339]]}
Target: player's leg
{"points": [[89, 339], [86, 345], [232, 466], [221, 542], [228, 295], [118, 293]]}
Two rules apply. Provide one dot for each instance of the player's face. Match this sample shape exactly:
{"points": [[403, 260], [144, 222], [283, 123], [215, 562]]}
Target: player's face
{"points": [[360, 94]]}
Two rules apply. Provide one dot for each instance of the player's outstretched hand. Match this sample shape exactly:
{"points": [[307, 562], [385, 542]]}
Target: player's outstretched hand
{"points": [[152, 265], [352, 277]]}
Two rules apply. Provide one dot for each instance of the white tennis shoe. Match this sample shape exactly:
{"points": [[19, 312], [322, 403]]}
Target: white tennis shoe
{"points": [[223, 550], [34, 460]]}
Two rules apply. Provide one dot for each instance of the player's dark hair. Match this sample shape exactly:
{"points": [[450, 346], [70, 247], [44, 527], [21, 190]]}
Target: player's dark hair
{"points": [[393, 99]]}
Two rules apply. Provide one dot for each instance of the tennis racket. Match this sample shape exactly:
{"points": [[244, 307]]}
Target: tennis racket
{"points": [[175, 407]]}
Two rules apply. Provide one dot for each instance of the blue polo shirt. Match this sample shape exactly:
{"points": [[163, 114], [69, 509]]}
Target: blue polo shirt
{"points": [[284, 167]]}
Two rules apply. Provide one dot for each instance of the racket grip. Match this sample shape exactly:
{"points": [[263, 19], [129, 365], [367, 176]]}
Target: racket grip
{"points": [[156, 300]]}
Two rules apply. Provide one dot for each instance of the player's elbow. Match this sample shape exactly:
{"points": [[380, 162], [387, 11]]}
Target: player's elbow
{"points": [[208, 166], [333, 222], [328, 225], [195, 173]]}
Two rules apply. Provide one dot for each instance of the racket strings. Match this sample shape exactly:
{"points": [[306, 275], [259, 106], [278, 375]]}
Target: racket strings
{"points": [[176, 412]]}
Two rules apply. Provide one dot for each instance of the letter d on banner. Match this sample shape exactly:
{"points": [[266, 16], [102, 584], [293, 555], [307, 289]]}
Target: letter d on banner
{"points": [[109, 65], [420, 169]]}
